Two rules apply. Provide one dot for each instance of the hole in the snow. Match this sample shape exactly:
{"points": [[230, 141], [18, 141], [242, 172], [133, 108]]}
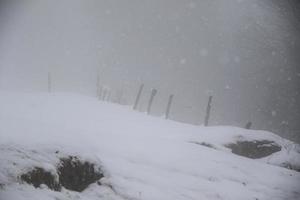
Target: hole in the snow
{"points": [[77, 175], [73, 174], [204, 144], [254, 149], [207, 145], [39, 176]]}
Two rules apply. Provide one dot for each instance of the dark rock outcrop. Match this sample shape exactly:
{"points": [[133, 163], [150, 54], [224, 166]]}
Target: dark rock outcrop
{"points": [[254, 149], [76, 175], [73, 174], [39, 176]]}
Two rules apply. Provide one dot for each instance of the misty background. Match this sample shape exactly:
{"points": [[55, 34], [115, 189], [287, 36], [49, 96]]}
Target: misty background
{"points": [[245, 53]]}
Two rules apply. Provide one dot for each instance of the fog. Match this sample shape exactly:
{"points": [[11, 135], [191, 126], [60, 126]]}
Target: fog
{"points": [[243, 53]]}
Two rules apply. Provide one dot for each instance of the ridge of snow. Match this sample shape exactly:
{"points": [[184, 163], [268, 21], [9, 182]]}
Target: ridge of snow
{"points": [[144, 157]]}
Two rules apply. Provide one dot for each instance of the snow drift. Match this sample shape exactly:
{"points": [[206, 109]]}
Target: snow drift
{"points": [[142, 157]]}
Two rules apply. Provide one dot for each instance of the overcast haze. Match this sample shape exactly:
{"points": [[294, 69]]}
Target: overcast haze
{"points": [[243, 53]]}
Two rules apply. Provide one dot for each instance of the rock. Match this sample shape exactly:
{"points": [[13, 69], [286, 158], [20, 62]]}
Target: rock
{"points": [[76, 175], [290, 166], [254, 149], [73, 174], [39, 176]]}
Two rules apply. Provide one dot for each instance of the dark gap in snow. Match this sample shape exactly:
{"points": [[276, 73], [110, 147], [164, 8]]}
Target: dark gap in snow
{"points": [[254, 149], [77, 175], [73, 174], [204, 144], [39, 176]]}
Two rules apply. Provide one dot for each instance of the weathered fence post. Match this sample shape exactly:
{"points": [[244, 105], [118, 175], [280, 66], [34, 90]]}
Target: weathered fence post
{"points": [[208, 108], [108, 95], [98, 85], [119, 96], [169, 106], [153, 93], [100, 92], [104, 94], [248, 125], [138, 96], [49, 82]]}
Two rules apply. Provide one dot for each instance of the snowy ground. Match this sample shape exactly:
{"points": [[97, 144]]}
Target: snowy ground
{"points": [[144, 158]]}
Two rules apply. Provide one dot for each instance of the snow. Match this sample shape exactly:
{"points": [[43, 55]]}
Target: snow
{"points": [[143, 157]]}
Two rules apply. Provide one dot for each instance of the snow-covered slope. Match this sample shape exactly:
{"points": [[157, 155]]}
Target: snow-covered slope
{"points": [[143, 157]]}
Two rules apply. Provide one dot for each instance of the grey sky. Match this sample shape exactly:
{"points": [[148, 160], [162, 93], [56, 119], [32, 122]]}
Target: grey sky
{"points": [[244, 53]]}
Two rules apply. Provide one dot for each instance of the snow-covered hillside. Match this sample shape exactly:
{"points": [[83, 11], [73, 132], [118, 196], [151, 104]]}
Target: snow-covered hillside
{"points": [[143, 157]]}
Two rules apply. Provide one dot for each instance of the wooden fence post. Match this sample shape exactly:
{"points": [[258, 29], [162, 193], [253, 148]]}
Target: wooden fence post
{"points": [[104, 94], [248, 125], [49, 82], [100, 92], [119, 96], [169, 106], [138, 96], [208, 108], [108, 95], [98, 85], [153, 93]]}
